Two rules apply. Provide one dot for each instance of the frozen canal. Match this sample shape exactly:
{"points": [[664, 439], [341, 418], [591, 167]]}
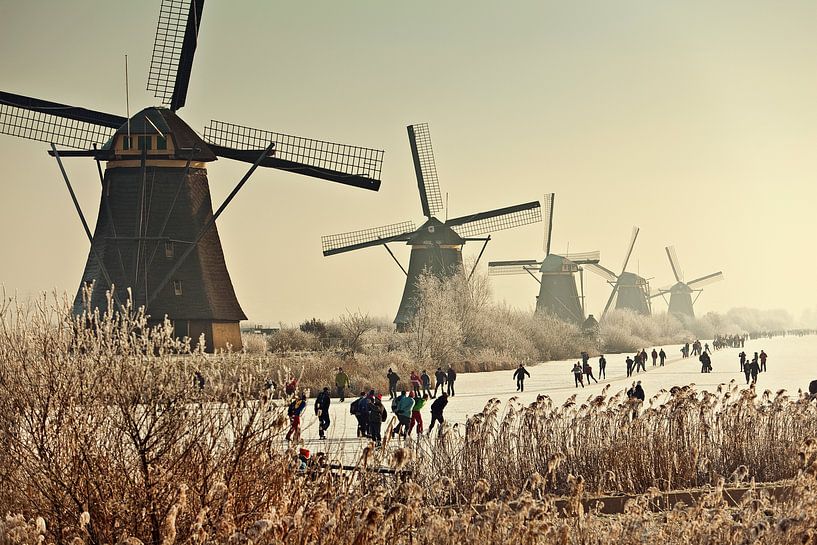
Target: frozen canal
{"points": [[791, 365]]}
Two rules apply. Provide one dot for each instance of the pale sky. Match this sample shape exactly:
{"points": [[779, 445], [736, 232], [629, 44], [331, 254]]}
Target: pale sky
{"points": [[695, 120]]}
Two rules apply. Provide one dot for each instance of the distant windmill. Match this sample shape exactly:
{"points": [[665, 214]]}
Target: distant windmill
{"points": [[557, 287], [680, 294], [630, 291], [155, 232], [437, 245]]}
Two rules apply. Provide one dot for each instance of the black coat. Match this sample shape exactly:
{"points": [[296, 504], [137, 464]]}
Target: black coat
{"points": [[520, 373], [438, 405], [322, 402]]}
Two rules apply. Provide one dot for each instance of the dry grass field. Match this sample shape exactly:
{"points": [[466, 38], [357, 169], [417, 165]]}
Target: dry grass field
{"points": [[105, 438]]}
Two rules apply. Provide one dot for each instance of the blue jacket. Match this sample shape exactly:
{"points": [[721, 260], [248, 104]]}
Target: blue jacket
{"points": [[404, 406]]}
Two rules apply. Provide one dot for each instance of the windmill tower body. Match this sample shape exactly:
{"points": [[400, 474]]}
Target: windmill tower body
{"points": [[633, 294], [152, 200], [436, 249], [680, 301], [558, 295], [155, 240]]}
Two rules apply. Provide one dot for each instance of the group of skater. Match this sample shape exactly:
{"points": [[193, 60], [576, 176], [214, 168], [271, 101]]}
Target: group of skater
{"points": [[751, 368], [729, 341], [370, 413], [421, 382]]}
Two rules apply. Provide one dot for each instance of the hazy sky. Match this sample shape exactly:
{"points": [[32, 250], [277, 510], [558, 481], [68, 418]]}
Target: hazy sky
{"points": [[695, 120]]}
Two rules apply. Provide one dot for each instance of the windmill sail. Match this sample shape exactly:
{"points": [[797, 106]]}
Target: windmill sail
{"points": [[522, 266], [547, 214], [603, 272], [705, 280], [173, 48], [425, 169], [496, 220], [350, 165], [630, 249], [365, 238], [675, 264], [45, 121]]}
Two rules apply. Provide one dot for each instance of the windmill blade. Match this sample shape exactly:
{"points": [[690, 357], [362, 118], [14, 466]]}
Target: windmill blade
{"points": [[425, 169], [603, 272], [522, 266], [675, 264], [547, 214], [497, 220], [610, 301], [584, 258], [630, 250], [350, 165], [365, 238], [45, 121], [705, 280], [175, 44]]}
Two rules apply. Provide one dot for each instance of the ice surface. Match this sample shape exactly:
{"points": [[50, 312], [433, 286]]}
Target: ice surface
{"points": [[792, 364]]}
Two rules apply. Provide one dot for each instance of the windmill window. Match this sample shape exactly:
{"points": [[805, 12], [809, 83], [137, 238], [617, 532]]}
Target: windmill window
{"points": [[177, 287], [170, 249], [145, 142], [161, 142]]}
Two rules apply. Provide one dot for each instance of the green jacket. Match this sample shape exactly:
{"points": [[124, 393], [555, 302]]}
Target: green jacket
{"points": [[419, 403], [342, 379]]}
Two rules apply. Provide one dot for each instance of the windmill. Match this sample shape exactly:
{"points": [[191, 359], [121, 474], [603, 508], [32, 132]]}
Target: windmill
{"points": [[436, 246], [155, 232], [557, 284], [680, 294], [630, 291]]}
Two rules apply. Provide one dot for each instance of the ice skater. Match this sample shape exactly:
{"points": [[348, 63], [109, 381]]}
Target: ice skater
{"points": [[578, 374], [519, 376], [394, 378], [440, 377], [662, 356], [602, 367], [451, 377], [763, 357], [322, 412], [588, 373], [437, 411]]}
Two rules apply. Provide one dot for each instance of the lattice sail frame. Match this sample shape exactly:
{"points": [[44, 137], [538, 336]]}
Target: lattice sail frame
{"points": [[705, 280], [584, 258], [428, 168], [502, 268], [547, 214], [499, 222], [675, 264], [353, 238], [603, 272], [167, 49], [53, 129], [351, 160]]}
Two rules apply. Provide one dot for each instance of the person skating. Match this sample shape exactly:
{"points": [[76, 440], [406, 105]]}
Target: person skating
{"points": [[451, 377], [341, 382], [747, 371], [437, 411], [706, 362], [742, 357], [602, 367], [416, 416], [763, 357], [662, 356], [393, 380], [377, 415], [643, 360], [587, 369], [578, 377], [638, 391], [360, 408], [322, 412], [629, 361], [654, 355], [414, 379], [402, 407], [294, 412], [754, 368], [519, 375], [426, 380], [441, 378]]}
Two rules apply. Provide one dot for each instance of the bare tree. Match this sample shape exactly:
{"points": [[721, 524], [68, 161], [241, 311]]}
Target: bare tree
{"points": [[353, 326]]}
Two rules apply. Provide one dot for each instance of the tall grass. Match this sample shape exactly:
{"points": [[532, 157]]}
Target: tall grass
{"points": [[105, 438]]}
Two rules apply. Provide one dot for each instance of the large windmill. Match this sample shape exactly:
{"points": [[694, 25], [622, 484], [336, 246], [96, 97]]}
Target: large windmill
{"points": [[630, 291], [155, 232], [680, 294], [557, 284], [437, 245]]}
